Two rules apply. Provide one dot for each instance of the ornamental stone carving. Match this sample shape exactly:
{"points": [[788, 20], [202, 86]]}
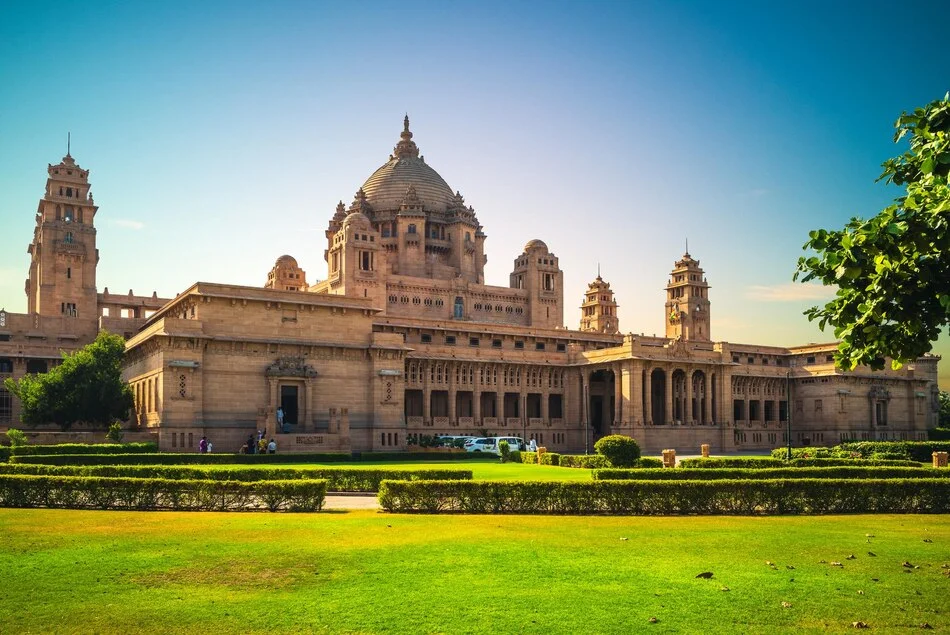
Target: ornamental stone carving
{"points": [[291, 366]]}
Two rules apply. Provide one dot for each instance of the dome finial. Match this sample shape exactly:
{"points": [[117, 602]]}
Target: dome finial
{"points": [[406, 146]]}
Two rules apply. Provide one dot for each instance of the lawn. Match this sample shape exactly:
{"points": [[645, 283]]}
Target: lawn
{"points": [[120, 572], [482, 470]]}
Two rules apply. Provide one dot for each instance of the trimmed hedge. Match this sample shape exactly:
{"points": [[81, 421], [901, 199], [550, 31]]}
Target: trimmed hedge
{"points": [[78, 492], [741, 497], [337, 479], [763, 463], [85, 448], [587, 461], [4, 453], [551, 458], [921, 451], [710, 474], [180, 459]]}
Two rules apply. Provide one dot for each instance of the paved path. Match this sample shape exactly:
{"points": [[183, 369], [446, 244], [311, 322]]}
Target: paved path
{"points": [[334, 501]]}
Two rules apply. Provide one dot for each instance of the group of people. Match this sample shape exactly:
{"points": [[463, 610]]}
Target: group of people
{"points": [[259, 445], [204, 446]]}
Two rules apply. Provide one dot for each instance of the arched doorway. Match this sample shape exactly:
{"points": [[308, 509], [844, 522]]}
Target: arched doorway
{"points": [[601, 402], [699, 409], [658, 396], [678, 381]]}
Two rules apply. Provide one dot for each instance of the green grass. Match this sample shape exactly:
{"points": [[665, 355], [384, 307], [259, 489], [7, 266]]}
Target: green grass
{"points": [[481, 470], [121, 572]]}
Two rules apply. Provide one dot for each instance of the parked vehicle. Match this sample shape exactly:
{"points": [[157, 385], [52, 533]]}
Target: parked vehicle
{"points": [[490, 444]]}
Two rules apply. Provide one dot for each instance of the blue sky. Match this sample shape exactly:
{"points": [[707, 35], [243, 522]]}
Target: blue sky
{"points": [[221, 135]]}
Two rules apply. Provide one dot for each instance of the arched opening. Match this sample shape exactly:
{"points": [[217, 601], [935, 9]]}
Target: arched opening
{"points": [[678, 380], [658, 396], [699, 408], [601, 402]]}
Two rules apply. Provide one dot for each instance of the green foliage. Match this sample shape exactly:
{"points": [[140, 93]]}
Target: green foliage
{"points": [[86, 387], [93, 492], [586, 461], [719, 497], [939, 434], [619, 450], [762, 463], [944, 398], [102, 457], [921, 451], [4, 453], [550, 458], [338, 480], [504, 450], [711, 474], [16, 437], [115, 433], [87, 448], [893, 270]]}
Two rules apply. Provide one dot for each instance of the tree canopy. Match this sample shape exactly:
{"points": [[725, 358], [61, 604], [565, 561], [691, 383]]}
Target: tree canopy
{"points": [[893, 270], [86, 387]]}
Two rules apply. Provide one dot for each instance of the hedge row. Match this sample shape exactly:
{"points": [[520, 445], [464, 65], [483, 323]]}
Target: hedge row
{"points": [[743, 497], [4, 453], [762, 463], [78, 492], [243, 459], [711, 474], [921, 451], [338, 479], [84, 448]]}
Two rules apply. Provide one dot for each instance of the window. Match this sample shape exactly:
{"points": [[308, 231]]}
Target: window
{"points": [[450, 340], [829, 358], [751, 360], [6, 406], [411, 229], [561, 347], [473, 341], [519, 345], [735, 359], [68, 238], [496, 343], [426, 338], [366, 260], [810, 360], [539, 346], [6, 365], [105, 311]]}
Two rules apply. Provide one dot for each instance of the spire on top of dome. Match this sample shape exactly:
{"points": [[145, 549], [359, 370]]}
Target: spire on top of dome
{"points": [[406, 146]]}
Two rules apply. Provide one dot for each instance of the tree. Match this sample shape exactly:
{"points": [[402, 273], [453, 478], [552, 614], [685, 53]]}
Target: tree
{"points": [[619, 450], [893, 270], [86, 387], [944, 409]]}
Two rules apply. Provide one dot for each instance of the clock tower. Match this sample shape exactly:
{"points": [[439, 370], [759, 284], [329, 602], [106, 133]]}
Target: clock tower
{"points": [[687, 302]]}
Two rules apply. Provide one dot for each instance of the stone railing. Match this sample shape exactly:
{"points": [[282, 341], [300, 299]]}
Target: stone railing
{"points": [[466, 421], [536, 421], [442, 422], [513, 422], [556, 422], [487, 421], [413, 421]]}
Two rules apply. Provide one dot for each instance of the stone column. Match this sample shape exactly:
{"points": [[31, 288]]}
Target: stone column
{"points": [[499, 403], [618, 397], [585, 396], [476, 406], [426, 396], [668, 415], [545, 402], [648, 396], [706, 405], [307, 405], [688, 410], [453, 388]]}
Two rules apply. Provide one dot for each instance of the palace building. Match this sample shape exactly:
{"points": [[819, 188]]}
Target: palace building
{"points": [[405, 337]]}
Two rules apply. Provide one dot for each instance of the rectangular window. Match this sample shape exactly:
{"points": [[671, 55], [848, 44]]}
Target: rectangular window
{"points": [[539, 346], [496, 343], [450, 340], [561, 347], [810, 360], [426, 338], [473, 341], [751, 360], [519, 345]]}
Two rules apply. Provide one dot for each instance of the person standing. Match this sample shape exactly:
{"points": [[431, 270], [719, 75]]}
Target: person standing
{"points": [[208, 449], [202, 445], [280, 418], [272, 447]]}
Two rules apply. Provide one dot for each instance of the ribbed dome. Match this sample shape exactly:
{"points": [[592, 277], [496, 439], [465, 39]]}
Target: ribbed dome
{"points": [[536, 244], [286, 261], [387, 186]]}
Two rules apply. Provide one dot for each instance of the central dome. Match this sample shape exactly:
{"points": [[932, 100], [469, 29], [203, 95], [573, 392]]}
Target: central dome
{"points": [[386, 188]]}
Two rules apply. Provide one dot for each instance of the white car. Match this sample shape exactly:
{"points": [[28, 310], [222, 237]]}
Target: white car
{"points": [[490, 444]]}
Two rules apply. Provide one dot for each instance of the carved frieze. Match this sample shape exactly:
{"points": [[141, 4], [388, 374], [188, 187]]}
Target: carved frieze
{"points": [[290, 366]]}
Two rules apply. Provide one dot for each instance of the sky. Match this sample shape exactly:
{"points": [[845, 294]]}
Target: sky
{"points": [[221, 135]]}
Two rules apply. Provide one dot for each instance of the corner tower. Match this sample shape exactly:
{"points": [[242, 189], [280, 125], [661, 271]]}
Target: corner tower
{"points": [[537, 270], [63, 254], [687, 301], [599, 311]]}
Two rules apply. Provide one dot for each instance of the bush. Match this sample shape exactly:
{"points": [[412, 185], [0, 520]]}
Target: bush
{"points": [[86, 448], [588, 461], [921, 451], [337, 479], [813, 452], [115, 433], [649, 463], [939, 434], [504, 449], [761, 463], [716, 497], [708, 474], [4, 453], [184, 459], [79, 492], [16, 437], [550, 458], [619, 450]]}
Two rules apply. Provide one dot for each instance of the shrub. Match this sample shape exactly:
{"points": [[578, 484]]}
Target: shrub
{"points": [[16, 437], [550, 458], [939, 434], [761, 463], [649, 462], [588, 461], [338, 479], [504, 450], [921, 451], [115, 433], [842, 472], [86, 448], [619, 450], [715, 497], [81, 492]]}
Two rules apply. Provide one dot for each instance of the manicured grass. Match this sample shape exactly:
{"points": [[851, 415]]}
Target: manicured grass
{"points": [[121, 572], [481, 470]]}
